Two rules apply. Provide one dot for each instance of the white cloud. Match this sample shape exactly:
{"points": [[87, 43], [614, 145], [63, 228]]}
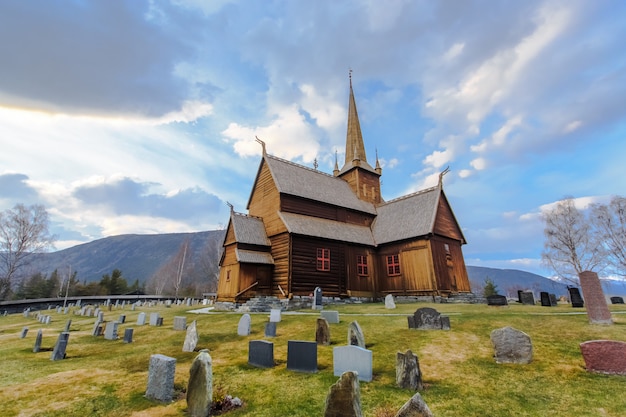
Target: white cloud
{"points": [[454, 51], [572, 126], [479, 164]]}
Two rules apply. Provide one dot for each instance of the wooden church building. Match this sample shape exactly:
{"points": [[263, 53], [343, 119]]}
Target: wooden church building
{"points": [[307, 229]]}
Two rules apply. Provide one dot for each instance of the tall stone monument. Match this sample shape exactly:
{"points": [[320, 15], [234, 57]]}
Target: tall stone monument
{"points": [[595, 303]]}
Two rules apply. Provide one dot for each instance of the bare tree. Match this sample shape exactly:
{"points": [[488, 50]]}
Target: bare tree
{"points": [[180, 258], [609, 222], [571, 245], [23, 232]]}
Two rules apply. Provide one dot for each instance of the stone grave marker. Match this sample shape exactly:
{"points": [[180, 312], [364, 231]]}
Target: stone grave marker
{"points": [[68, 324], [301, 356], [191, 338], [353, 358], [553, 299], [154, 319], [275, 315], [526, 297], [58, 353], [322, 332], [101, 316], [180, 323], [24, 332], [261, 353], [243, 328], [122, 318], [128, 335], [415, 407], [48, 319], [161, 378], [595, 303], [355, 335], [200, 386], [389, 302], [317, 299], [110, 332], [159, 321], [141, 319], [427, 318], [26, 312], [37, 346], [575, 297], [604, 356], [331, 316], [497, 300], [133, 307], [546, 301], [344, 397], [617, 300], [270, 329], [408, 373], [511, 346], [94, 331]]}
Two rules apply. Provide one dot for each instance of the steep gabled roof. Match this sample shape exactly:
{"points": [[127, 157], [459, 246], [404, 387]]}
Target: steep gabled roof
{"points": [[407, 217], [327, 229], [249, 229], [297, 180], [253, 257]]}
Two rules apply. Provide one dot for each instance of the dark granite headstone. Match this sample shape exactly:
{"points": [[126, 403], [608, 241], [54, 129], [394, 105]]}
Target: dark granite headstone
{"points": [[24, 332], [317, 299], [128, 335], [122, 318], [575, 297], [58, 352], [553, 301], [68, 324], [302, 356], [270, 329], [497, 300], [526, 297], [427, 318], [261, 353], [545, 299], [617, 300]]}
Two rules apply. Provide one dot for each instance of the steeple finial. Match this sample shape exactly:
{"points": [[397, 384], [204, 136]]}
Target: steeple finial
{"points": [[262, 144], [336, 169], [377, 168], [354, 138], [232, 208], [441, 174]]}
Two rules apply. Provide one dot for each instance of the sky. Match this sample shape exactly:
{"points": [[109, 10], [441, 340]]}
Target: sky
{"points": [[141, 116]]}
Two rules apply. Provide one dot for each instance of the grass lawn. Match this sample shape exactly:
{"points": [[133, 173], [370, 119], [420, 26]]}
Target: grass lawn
{"points": [[108, 378]]}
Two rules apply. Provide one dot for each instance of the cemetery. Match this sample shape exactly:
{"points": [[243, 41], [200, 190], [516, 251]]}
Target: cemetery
{"points": [[450, 360]]}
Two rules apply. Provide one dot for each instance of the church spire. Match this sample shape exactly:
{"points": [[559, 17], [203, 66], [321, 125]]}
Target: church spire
{"points": [[354, 138]]}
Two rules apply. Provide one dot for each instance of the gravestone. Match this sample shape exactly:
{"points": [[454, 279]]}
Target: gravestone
{"points": [[161, 378], [200, 387], [180, 323], [595, 303], [553, 299], [133, 307], [159, 321], [270, 329], [317, 299], [95, 331], [141, 319], [389, 302], [275, 315], [301, 356], [322, 332], [24, 332], [58, 353], [191, 338], [353, 358], [408, 373], [604, 356], [331, 316], [26, 313], [427, 318], [110, 332], [344, 397], [243, 328], [617, 300], [415, 407], [67, 325], [355, 335], [37, 346], [154, 319], [497, 300], [101, 316], [261, 353], [546, 301], [511, 346], [575, 297], [48, 319], [128, 335], [526, 297], [122, 319]]}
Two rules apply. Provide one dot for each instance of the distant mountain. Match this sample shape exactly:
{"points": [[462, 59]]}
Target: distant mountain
{"points": [[137, 256]]}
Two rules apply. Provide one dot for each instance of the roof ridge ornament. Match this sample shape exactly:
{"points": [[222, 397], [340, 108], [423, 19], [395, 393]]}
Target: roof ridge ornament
{"points": [[441, 174], [262, 144]]}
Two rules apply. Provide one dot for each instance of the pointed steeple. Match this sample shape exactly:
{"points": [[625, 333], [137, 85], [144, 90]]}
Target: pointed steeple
{"points": [[354, 138]]}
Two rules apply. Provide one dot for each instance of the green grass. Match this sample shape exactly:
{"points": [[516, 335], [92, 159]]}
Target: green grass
{"points": [[108, 378]]}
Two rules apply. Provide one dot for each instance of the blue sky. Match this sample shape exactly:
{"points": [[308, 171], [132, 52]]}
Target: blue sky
{"points": [[141, 116]]}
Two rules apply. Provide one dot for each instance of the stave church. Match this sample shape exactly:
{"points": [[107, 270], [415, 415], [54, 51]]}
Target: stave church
{"points": [[306, 229]]}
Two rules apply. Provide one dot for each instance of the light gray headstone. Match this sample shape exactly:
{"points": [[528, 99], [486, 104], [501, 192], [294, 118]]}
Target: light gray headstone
{"points": [[154, 319], [344, 397], [68, 324], [161, 378], [37, 346], [24, 332], [110, 333], [191, 338], [141, 319], [58, 353], [96, 326], [101, 316], [243, 329], [275, 315], [389, 302], [353, 358], [331, 316], [511, 346], [200, 387], [355, 335], [180, 323]]}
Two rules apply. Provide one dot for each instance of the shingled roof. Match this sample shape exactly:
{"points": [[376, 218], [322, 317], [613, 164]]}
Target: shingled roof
{"points": [[327, 229], [249, 229]]}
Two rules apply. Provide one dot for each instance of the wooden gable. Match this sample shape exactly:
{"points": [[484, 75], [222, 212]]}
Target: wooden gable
{"points": [[445, 221], [264, 201]]}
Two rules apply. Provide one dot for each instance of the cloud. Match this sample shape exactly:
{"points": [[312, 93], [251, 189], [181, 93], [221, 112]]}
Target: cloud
{"points": [[16, 187]]}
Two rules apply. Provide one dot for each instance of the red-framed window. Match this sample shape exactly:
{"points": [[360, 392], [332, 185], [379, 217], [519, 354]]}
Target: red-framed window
{"points": [[323, 259], [393, 265], [361, 265]]}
